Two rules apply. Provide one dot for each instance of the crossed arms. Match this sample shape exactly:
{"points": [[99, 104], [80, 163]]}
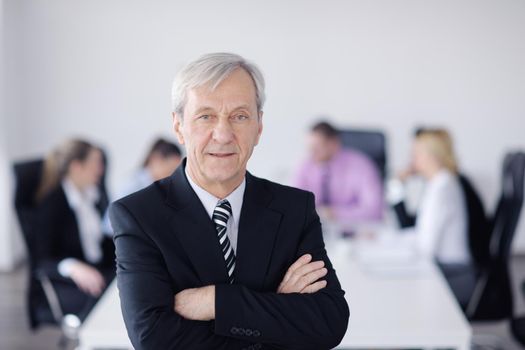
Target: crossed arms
{"points": [[303, 276]]}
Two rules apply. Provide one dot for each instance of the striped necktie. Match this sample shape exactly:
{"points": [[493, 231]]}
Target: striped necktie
{"points": [[221, 214], [325, 186]]}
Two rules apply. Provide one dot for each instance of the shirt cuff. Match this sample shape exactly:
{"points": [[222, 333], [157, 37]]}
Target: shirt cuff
{"points": [[65, 266], [395, 192]]}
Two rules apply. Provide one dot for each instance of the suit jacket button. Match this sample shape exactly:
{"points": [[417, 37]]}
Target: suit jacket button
{"points": [[234, 330], [242, 331], [249, 332], [256, 333]]}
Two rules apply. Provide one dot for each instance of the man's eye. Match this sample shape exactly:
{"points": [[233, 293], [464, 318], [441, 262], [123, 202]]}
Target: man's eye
{"points": [[204, 117], [241, 117]]}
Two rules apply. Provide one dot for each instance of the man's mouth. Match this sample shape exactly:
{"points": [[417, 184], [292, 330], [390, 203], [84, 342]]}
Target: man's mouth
{"points": [[221, 155]]}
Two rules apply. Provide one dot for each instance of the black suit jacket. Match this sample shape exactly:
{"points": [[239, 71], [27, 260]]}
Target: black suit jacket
{"points": [[166, 242], [58, 237]]}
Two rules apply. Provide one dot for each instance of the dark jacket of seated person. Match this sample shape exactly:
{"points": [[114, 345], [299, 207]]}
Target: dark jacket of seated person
{"points": [[71, 248]]}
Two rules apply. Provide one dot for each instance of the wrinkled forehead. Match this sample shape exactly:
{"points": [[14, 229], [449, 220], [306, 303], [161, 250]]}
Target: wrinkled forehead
{"points": [[235, 91]]}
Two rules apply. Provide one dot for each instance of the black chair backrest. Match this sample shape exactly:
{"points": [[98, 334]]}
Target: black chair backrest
{"points": [[478, 223], [103, 202], [509, 206], [27, 178], [28, 175], [370, 142]]}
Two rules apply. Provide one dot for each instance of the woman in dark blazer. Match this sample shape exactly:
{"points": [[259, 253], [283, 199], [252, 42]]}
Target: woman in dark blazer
{"points": [[71, 247]]}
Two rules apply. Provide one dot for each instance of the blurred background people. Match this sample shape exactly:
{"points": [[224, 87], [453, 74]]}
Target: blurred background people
{"points": [[440, 226], [346, 183], [70, 245], [161, 161]]}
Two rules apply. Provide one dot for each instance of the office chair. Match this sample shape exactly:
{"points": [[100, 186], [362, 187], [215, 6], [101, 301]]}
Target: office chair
{"points": [[370, 142], [41, 311], [103, 201], [477, 225], [492, 296], [43, 302]]}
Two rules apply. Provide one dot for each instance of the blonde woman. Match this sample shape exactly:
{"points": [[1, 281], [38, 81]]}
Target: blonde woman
{"points": [[71, 246], [440, 227]]}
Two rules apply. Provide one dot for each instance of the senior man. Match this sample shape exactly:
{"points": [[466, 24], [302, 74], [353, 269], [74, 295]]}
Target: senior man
{"points": [[213, 257]]}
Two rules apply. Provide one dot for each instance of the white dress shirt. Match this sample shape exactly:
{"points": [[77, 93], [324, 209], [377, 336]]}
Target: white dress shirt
{"points": [[209, 201], [442, 221], [89, 224]]}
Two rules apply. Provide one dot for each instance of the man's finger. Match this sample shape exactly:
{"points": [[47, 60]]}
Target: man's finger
{"points": [[299, 273], [304, 259], [310, 278], [306, 269], [314, 287]]}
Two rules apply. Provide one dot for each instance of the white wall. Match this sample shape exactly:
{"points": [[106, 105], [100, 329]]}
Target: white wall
{"points": [[4, 189], [103, 69], [11, 245]]}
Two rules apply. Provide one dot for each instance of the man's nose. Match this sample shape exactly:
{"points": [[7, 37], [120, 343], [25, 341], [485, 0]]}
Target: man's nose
{"points": [[223, 132]]}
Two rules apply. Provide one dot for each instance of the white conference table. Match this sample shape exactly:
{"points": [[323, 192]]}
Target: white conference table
{"points": [[104, 327], [398, 304], [391, 306]]}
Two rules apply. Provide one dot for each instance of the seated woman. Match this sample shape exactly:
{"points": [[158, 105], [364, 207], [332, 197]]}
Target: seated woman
{"points": [[441, 222], [71, 247]]}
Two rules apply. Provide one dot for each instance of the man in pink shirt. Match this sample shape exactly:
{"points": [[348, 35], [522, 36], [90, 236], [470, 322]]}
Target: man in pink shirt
{"points": [[346, 183]]}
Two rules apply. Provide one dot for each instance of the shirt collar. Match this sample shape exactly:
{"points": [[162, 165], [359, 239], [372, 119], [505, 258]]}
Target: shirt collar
{"points": [[210, 201], [334, 159], [441, 176], [76, 197]]}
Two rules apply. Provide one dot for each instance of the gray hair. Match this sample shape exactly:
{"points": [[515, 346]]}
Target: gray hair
{"points": [[212, 69]]}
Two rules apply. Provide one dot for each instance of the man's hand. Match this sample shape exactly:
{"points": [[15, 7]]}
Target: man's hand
{"points": [[303, 276], [196, 304]]}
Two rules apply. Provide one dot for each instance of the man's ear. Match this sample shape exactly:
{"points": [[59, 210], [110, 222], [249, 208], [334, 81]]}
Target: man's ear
{"points": [[177, 127], [259, 132]]}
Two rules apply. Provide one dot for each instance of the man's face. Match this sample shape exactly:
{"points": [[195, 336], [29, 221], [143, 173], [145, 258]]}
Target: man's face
{"points": [[322, 148], [220, 128]]}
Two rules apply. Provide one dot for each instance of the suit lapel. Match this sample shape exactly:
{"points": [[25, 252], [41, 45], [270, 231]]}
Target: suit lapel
{"points": [[194, 229], [258, 229]]}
